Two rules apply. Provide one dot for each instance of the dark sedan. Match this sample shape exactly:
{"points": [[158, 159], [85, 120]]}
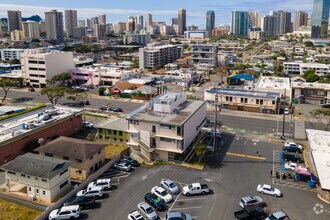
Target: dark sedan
{"points": [[155, 201], [292, 148], [292, 157], [131, 161]]}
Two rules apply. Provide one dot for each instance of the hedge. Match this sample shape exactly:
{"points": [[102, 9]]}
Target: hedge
{"points": [[23, 112]]}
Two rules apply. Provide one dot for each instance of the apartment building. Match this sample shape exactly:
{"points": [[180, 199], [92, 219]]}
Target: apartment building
{"points": [[141, 39], [165, 127], [244, 100], [205, 54], [10, 54], [43, 178], [300, 67], [195, 34], [113, 130], [39, 65], [87, 156], [100, 75], [311, 93], [156, 56], [291, 68]]}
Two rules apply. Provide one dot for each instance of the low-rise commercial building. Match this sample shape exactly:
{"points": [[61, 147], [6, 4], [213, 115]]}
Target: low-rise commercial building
{"points": [[39, 65], [244, 100], [87, 156], [166, 126], [205, 53], [18, 134], [311, 93], [44, 178], [274, 84], [11, 54], [154, 56]]}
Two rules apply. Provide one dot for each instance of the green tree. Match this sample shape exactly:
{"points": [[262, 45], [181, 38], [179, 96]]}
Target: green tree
{"points": [[101, 90], [90, 137], [62, 79], [135, 63], [78, 96], [54, 93], [6, 84], [308, 72], [324, 115], [312, 78], [309, 44]]}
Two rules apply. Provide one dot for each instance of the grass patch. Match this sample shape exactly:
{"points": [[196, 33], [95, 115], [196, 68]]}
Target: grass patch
{"points": [[90, 114], [23, 112], [113, 150], [9, 211]]}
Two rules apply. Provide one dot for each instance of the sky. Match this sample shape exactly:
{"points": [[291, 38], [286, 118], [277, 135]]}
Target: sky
{"points": [[162, 10]]}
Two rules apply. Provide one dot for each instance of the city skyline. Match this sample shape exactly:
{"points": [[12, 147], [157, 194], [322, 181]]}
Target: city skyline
{"points": [[163, 11]]}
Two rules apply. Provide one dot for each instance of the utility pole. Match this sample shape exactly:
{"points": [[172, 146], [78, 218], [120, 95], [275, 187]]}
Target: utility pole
{"points": [[215, 123], [283, 129]]}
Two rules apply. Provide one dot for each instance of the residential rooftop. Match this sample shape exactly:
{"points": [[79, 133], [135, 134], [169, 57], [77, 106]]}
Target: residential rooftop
{"points": [[119, 124], [319, 142], [244, 93], [36, 165], [314, 85], [30, 121], [269, 82]]}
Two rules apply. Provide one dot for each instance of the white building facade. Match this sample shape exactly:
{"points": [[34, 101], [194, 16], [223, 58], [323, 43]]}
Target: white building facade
{"points": [[10, 54]]}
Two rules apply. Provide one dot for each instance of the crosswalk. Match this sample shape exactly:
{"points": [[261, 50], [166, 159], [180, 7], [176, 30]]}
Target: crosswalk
{"points": [[278, 165]]}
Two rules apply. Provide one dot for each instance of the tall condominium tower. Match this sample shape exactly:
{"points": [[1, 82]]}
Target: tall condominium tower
{"points": [[54, 26], [71, 22], [240, 23], [210, 22], [255, 18], [283, 25], [320, 18], [148, 22], [182, 26], [139, 22], [14, 20], [102, 19], [300, 20], [270, 25]]}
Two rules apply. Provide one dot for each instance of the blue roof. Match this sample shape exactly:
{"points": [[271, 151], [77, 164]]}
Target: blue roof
{"points": [[242, 76]]}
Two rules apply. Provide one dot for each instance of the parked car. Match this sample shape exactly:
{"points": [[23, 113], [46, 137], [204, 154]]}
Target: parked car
{"points": [[87, 124], [155, 201], [290, 166], [104, 183], [291, 157], [83, 102], [269, 190], [286, 111], [170, 186], [135, 215], [251, 200], [122, 166], [84, 201], [278, 216], [326, 106], [294, 144], [177, 216], [131, 161], [211, 132], [194, 189], [161, 193], [96, 191], [117, 109], [292, 148], [250, 213], [104, 108], [147, 211], [75, 87], [66, 212]]}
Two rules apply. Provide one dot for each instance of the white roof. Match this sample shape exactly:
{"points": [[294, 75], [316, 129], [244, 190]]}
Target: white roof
{"points": [[319, 142]]}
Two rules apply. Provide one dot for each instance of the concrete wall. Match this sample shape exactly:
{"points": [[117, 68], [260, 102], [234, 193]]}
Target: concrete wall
{"points": [[67, 127]]}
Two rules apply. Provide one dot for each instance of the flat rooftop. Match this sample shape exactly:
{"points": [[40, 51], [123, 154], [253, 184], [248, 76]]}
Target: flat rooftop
{"points": [[308, 85], [180, 115], [13, 127], [273, 83], [244, 93], [319, 142]]}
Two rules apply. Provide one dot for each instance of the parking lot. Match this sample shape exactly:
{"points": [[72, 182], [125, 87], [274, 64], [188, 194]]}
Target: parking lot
{"points": [[236, 172]]}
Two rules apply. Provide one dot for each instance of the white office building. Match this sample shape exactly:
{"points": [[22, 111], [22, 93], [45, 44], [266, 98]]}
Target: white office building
{"points": [[300, 67], [39, 65], [205, 54], [10, 54]]}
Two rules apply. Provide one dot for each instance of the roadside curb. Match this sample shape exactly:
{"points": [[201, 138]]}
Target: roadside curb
{"points": [[186, 165], [323, 200]]}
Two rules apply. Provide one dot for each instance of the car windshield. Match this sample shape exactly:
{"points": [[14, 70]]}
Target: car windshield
{"points": [[58, 211], [84, 191], [190, 187], [149, 210], [172, 185], [272, 217], [163, 193]]}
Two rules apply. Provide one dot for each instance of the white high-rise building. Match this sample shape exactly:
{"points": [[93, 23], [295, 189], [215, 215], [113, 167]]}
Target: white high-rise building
{"points": [[31, 30], [102, 19], [54, 26], [300, 20], [70, 22], [255, 18], [148, 22]]}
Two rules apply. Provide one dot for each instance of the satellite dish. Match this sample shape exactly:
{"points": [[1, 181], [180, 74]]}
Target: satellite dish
{"points": [[41, 140]]}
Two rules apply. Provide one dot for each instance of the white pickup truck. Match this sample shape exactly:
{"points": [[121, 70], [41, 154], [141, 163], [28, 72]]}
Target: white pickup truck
{"points": [[195, 188]]}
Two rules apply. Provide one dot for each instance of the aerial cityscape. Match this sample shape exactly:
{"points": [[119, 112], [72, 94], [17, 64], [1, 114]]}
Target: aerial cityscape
{"points": [[170, 110]]}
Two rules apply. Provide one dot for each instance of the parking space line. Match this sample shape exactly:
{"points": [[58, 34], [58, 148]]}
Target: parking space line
{"points": [[174, 202], [191, 199], [247, 156], [182, 183], [184, 208]]}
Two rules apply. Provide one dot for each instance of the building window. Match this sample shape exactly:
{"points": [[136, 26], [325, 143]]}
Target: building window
{"points": [[169, 140], [23, 175], [245, 100], [37, 191], [242, 100], [120, 133], [121, 140], [115, 139], [28, 177], [257, 101], [135, 122], [12, 172], [43, 192], [91, 169], [30, 189], [227, 98], [230, 98], [65, 158], [63, 184], [48, 155], [261, 102], [78, 171], [79, 161], [64, 171], [273, 102], [114, 132]]}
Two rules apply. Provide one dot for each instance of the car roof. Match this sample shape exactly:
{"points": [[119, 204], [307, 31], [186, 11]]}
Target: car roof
{"points": [[135, 213], [167, 180], [174, 214], [160, 189], [279, 214], [95, 188], [249, 198], [266, 185], [144, 205], [69, 207], [103, 180]]}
